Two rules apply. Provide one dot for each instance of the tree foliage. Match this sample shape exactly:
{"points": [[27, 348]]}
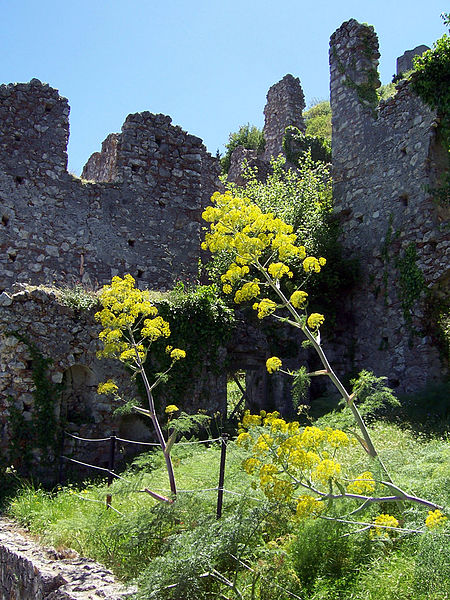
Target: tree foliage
{"points": [[248, 136], [318, 120]]}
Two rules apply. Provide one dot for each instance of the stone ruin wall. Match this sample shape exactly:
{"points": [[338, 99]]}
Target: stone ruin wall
{"points": [[384, 160], [30, 572], [136, 210], [140, 211], [284, 107]]}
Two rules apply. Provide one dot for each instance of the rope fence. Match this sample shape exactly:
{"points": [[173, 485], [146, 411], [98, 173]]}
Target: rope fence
{"points": [[113, 439]]}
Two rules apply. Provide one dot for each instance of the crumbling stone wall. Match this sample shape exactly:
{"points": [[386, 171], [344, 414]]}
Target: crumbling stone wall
{"points": [[140, 213], [70, 339], [285, 103], [384, 160], [31, 572]]}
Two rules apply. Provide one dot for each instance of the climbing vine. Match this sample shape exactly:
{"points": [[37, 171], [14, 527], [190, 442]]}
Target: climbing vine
{"points": [[41, 431], [411, 281], [200, 323], [430, 80], [366, 91]]}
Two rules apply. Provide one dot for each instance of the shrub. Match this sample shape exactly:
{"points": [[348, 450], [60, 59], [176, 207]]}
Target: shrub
{"points": [[248, 136], [296, 144], [318, 120]]}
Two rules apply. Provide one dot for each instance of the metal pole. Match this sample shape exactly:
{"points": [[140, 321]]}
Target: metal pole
{"points": [[61, 459], [223, 454], [112, 453]]}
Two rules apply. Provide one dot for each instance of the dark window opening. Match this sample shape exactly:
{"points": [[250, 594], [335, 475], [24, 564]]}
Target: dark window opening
{"points": [[140, 273], [5, 220], [135, 168], [29, 364], [12, 257], [19, 179], [17, 137], [131, 243], [48, 107], [158, 141], [404, 199]]}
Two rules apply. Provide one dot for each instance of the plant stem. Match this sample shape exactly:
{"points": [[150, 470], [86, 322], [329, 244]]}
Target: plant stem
{"points": [[159, 433], [348, 399]]}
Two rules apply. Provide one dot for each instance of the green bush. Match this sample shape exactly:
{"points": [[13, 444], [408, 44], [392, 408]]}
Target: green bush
{"points": [[248, 136], [296, 144], [318, 120]]}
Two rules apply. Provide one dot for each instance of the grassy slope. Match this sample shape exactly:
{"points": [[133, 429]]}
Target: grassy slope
{"points": [[319, 560]]}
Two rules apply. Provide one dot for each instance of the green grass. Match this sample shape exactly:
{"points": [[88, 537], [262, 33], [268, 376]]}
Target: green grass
{"points": [[161, 545]]}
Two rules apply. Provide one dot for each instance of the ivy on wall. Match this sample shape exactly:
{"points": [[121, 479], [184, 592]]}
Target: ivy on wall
{"points": [[200, 324], [430, 79], [41, 432]]}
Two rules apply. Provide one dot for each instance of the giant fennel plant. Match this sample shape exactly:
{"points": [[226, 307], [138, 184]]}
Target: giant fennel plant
{"points": [[285, 457], [130, 324]]}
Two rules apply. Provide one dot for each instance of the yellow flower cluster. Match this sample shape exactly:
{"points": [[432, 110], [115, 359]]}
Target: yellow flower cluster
{"points": [[240, 227], [315, 320], [327, 469], [249, 420], [363, 484], [273, 364], [308, 506], [283, 448], [298, 299], [265, 307], [234, 273], [248, 291], [312, 264], [109, 387], [124, 308], [435, 519], [380, 523], [177, 354], [277, 270], [171, 408]]}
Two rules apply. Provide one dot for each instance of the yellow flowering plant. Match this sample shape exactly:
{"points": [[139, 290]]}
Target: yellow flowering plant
{"points": [[130, 324], [286, 458], [261, 247]]}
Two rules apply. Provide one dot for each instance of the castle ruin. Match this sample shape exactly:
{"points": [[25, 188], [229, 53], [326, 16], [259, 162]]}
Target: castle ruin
{"points": [[137, 209]]}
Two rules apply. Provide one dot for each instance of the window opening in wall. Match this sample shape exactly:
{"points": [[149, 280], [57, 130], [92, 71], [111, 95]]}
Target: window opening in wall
{"points": [[404, 199], [131, 243], [139, 273], [17, 137], [19, 179], [5, 220], [236, 394], [158, 141]]}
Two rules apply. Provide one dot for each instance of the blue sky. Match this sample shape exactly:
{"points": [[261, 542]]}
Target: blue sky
{"points": [[207, 64]]}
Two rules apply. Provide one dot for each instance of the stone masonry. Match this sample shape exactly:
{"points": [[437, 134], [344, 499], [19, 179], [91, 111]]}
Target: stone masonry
{"points": [[139, 213], [384, 160], [285, 103], [30, 572]]}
